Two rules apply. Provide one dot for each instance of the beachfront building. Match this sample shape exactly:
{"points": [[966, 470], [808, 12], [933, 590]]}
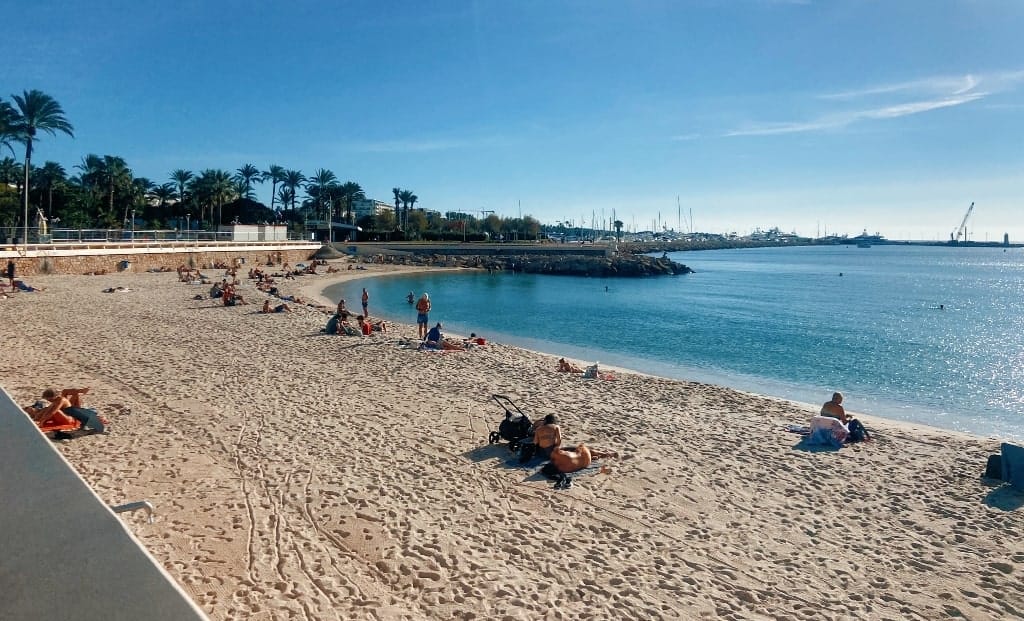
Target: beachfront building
{"points": [[362, 208]]}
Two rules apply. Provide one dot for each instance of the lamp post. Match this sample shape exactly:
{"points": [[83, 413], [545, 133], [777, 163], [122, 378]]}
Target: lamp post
{"points": [[188, 225], [133, 226]]}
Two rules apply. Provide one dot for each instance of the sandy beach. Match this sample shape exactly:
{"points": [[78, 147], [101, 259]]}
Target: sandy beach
{"points": [[303, 476]]}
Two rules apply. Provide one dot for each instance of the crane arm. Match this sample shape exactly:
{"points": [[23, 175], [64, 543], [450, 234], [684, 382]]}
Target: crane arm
{"points": [[959, 232]]}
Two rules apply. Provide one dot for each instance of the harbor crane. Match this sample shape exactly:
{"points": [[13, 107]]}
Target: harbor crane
{"points": [[961, 231]]}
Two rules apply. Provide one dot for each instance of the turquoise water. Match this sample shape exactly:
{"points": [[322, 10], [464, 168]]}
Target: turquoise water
{"points": [[795, 323]]}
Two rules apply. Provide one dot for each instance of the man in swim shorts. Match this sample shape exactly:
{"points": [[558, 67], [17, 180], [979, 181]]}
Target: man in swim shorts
{"points": [[422, 315]]}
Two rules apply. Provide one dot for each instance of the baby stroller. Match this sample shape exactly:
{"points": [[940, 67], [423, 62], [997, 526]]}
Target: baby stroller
{"points": [[517, 428]]}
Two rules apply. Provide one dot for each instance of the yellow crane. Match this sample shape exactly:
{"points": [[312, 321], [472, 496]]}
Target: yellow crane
{"points": [[961, 231]]}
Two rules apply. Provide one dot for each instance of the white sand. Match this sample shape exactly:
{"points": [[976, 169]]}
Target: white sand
{"points": [[298, 475]]}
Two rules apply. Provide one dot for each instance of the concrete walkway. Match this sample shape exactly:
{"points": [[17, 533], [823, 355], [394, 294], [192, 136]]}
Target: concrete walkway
{"points": [[63, 553]]}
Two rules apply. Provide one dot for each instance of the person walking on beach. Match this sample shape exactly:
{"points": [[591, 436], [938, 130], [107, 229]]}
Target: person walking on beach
{"points": [[366, 302], [10, 272], [422, 315]]}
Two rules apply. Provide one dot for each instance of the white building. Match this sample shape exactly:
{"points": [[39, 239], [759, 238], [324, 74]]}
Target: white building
{"points": [[370, 207]]}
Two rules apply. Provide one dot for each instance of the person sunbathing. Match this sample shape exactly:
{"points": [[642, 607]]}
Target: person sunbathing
{"points": [[564, 366], [64, 408], [834, 408], [280, 308], [547, 437], [567, 461]]}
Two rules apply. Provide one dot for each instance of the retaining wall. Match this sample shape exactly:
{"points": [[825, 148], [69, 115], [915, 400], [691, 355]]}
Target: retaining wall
{"points": [[141, 260]]}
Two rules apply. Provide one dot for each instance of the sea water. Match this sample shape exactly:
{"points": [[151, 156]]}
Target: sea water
{"points": [[933, 335]]}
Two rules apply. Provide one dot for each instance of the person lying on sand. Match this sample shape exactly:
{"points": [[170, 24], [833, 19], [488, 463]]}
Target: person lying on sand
{"points": [[21, 285], [564, 366], [280, 308], [64, 407], [570, 461]]}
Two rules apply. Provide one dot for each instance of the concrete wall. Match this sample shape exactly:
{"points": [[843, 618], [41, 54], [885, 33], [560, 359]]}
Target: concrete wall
{"points": [[139, 261], [63, 553]]}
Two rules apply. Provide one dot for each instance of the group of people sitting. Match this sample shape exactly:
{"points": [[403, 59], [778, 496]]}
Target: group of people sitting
{"points": [[833, 426], [591, 372], [226, 291], [436, 340], [547, 441], [63, 410], [339, 323]]}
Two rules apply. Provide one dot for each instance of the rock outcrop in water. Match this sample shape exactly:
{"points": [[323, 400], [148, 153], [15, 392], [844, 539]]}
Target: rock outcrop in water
{"points": [[576, 265], [622, 265]]}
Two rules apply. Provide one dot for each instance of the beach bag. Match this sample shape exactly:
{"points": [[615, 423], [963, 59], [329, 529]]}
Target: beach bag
{"points": [[994, 467], [857, 431]]}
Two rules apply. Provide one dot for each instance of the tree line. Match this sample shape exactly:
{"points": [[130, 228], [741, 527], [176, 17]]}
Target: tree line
{"points": [[103, 192]]}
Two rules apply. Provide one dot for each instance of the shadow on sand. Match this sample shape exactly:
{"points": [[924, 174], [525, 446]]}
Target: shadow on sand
{"points": [[1005, 497], [802, 445]]}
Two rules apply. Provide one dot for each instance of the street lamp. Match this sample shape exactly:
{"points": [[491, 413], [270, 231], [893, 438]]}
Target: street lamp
{"points": [[188, 225], [133, 226]]}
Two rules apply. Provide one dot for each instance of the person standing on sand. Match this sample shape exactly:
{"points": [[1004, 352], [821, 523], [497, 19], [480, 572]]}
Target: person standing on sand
{"points": [[366, 302], [10, 272], [422, 315]]}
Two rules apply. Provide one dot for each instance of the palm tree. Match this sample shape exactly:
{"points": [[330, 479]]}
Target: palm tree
{"points": [[10, 171], [246, 175], [36, 112], [351, 191], [50, 175], [181, 177], [618, 229], [286, 195], [398, 199], [319, 187], [406, 196], [164, 193], [91, 179], [293, 179], [117, 176], [276, 175], [214, 188], [7, 119]]}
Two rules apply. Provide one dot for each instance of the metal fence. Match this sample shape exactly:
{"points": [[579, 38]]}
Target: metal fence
{"points": [[14, 236]]}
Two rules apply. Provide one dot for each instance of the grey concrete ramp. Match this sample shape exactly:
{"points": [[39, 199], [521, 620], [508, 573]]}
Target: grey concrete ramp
{"points": [[63, 553]]}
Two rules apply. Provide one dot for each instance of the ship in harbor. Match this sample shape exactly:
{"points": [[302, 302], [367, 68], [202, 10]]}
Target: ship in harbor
{"points": [[865, 241]]}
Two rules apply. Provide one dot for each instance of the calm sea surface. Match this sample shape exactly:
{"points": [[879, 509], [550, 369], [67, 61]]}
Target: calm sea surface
{"points": [[796, 323]]}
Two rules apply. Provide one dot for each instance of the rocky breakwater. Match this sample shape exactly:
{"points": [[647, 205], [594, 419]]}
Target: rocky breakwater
{"points": [[631, 266]]}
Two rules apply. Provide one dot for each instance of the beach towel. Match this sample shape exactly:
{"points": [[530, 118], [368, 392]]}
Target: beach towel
{"points": [[827, 431]]}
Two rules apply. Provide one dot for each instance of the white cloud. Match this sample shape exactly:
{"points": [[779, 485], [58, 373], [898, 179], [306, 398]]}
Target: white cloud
{"points": [[892, 101], [684, 137]]}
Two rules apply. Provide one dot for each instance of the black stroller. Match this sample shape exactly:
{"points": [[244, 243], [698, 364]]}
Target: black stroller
{"points": [[516, 428]]}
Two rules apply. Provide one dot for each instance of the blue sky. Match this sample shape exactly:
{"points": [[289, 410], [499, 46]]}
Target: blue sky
{"points": [[809, 115]]}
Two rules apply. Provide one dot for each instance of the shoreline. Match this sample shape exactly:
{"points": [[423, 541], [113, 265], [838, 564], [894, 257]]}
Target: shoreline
{"points": [[317, 292], [301, 475]]}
